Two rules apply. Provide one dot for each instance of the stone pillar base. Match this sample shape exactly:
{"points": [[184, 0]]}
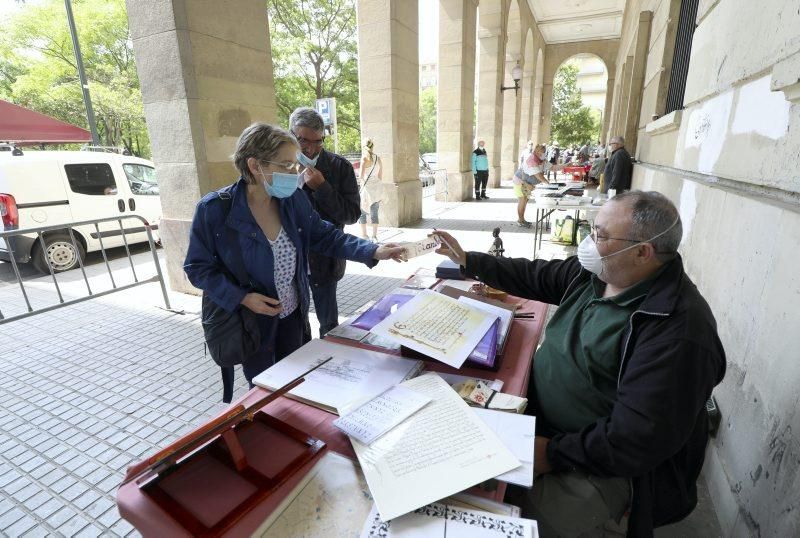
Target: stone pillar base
{"points": [[494, 177], [402, 203], [175, 239], [460, 186]]}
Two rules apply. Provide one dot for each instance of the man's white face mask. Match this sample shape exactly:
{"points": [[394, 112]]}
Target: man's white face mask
{"points": [[590, 258]]}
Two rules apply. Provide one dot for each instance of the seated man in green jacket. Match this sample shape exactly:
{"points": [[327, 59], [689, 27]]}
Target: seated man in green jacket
{"points": [[621, 380]]}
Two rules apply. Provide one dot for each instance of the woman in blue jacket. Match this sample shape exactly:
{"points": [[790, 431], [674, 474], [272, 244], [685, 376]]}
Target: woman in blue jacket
{"points": [[275, 227]]}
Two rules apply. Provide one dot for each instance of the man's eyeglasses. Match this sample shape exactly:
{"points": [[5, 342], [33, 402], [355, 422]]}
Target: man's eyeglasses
{"points": [[597, 238], [288, 166], [310, 143]]}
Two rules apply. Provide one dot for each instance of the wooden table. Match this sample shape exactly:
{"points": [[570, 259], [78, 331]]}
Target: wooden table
{"points": [[515, 370]]}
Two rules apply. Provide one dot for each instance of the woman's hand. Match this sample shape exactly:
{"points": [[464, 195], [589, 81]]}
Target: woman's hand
{"points": [[390, 250], [449, 247], [261, 304]]}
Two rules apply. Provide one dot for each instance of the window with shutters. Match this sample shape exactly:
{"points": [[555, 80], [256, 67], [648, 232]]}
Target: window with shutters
{"points": [[680, 59]]}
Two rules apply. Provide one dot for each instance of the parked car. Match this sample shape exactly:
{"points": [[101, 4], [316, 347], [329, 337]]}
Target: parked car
{"points": [[431, 159], [43, 188], [355, 160]]}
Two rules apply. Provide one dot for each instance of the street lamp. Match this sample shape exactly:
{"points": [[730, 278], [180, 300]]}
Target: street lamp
{"points": [[516, 74], [87, 100]]}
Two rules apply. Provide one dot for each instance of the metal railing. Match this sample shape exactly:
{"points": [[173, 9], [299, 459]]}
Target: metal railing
{"points": [[434, 182], [40, 239]]}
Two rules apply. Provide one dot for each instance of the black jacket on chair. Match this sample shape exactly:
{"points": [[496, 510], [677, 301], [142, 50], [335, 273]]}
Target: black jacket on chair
{"points": [[338, 202]]}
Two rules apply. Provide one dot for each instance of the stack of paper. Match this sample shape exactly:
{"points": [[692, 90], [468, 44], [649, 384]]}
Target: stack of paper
{"points": [[442, 520], [353, 375], [440, 450], [437, 326], [517, 433]]}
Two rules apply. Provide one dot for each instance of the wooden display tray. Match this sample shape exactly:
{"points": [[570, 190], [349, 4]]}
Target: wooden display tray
{"points": [[220, 479]]}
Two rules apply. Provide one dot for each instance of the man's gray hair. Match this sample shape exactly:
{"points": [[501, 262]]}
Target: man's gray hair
{"points": [[261, 141], [652, 214], [619, 140], [306, 117]]}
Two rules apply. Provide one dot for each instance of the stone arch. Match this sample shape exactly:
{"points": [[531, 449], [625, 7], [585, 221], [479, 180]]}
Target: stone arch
{"points": [[555, 55], [511, 99], [595, 97], [526, 104]]}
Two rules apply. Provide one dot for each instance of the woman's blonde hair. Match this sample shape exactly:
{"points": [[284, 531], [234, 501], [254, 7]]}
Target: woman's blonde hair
{"points": [[262, 142]]}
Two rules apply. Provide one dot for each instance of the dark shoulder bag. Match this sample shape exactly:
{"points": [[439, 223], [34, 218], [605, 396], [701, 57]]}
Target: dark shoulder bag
{"points": [[231, 337]]}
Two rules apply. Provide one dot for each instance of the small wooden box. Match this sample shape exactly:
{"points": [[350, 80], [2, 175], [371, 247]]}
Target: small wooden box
{"points": [[223, 479]]}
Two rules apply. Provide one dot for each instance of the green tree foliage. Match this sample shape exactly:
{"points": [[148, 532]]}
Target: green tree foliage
{"points": [[573, 123], [37, 68], [427, 120], [314, 55]]}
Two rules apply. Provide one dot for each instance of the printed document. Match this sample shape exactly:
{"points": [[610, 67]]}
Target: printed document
{"points": [[438, 326], [381, 414], [440, 450], [517, 432], [352, 375]]}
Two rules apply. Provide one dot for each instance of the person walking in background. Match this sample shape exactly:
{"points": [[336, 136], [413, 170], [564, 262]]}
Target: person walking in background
{"points": [[552, 157], [370, 189], [598, 166], [480, 170], [619, 169], [330, 184]]}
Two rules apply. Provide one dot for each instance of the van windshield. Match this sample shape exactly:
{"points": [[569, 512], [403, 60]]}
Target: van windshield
{"points": [[141, 178]]}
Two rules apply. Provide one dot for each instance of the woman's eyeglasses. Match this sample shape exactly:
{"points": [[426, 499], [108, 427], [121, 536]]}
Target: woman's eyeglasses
{"points": [[288, 166]]}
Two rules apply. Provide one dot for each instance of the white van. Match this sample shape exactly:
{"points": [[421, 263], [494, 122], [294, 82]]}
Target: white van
{"points": [[43, 188]]}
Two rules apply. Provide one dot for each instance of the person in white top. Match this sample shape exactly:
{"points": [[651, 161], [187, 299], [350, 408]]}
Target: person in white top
{"points": [[370, 173], [531, 172]]}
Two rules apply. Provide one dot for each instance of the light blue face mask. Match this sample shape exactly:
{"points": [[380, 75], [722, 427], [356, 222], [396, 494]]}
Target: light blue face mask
{"points": [[305, 161], [283, 185]]}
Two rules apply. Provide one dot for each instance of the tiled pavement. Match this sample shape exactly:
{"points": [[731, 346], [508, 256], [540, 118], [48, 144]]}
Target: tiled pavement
{"points": [[87, 389]]}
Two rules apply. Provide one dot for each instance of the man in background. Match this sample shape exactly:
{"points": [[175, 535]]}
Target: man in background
{"points": [[330, 183], [619, 168]]}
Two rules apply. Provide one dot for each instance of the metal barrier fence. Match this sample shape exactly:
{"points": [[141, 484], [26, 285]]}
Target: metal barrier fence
{"points": [[40, 231], [433, 182]]}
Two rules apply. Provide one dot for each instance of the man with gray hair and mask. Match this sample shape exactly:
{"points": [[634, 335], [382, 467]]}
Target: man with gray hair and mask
{"points": [[619, 167], [330, 183], [620, 383]]}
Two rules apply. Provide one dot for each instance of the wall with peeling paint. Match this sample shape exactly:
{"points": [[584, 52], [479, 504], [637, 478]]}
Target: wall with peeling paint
{"points": [[731, 161]]}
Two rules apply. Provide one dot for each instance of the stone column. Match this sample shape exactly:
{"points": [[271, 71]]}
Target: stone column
{"points": [[457, 20], [490, 105], [526, 106], [637, 81], [607, 110], [205, 69], [547, 111], [388, 74], [510, 127], [621, 117]]}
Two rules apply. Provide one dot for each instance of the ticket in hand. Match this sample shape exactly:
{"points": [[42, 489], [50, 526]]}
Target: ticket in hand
{"points": [[418, 248]]}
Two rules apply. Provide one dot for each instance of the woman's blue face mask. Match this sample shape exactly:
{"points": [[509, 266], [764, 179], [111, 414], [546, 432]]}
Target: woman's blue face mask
{"points": [[283, 185]]}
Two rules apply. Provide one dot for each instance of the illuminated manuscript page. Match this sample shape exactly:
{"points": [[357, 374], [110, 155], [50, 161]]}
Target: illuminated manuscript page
{"points": [[438, 326]]}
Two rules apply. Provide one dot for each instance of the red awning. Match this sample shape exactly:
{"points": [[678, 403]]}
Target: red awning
{"points": [[26, 127]]}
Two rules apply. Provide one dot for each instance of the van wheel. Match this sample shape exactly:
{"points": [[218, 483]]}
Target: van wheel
{"points": [[61, 253]]}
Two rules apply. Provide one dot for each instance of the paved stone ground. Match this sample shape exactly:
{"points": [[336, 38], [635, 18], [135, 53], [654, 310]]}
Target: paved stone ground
{"points": [[87, 389]]}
